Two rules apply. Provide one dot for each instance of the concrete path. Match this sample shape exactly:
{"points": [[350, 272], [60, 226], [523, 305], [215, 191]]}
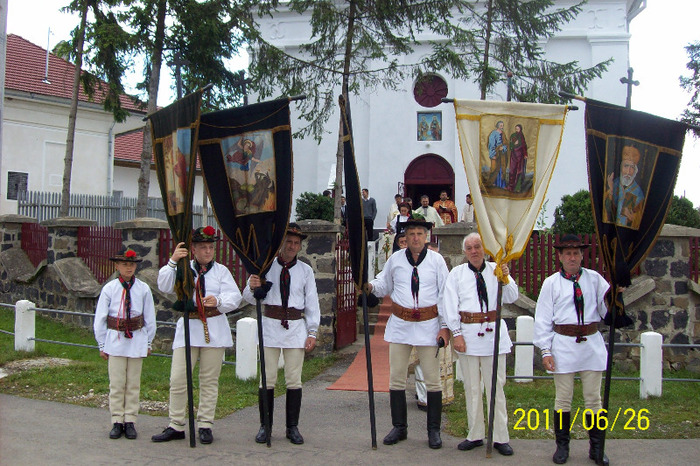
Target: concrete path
{"points": [[335, 426]]}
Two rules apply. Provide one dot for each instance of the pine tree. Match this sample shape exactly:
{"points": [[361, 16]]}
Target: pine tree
{"points": [[691, 84]]}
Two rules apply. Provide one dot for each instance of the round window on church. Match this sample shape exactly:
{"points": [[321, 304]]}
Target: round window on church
{"points": [[429, 90]]}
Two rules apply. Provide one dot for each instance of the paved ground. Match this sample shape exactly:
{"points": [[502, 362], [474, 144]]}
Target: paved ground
{"points": [[335, 425]]}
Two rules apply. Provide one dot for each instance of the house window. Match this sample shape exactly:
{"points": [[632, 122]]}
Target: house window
{"points": [[16, 183], [429, 90]]}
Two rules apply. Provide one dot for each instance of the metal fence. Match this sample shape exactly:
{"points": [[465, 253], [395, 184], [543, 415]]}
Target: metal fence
{"points": [[105, 210]]}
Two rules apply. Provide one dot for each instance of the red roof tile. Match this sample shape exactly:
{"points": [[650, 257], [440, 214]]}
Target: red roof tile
{"points": [[26, 69], [128, 146]]}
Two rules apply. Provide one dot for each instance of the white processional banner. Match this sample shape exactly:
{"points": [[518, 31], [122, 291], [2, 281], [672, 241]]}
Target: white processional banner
{"points": [[509, 151]]}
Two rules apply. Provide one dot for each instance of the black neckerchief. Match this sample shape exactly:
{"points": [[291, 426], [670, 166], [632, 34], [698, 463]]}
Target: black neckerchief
{"points": [[415, 281], [127, 304], [285, 280], [482, 292]]}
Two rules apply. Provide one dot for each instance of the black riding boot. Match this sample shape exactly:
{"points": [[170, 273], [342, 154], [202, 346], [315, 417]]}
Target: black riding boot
{"points": [[293, 409], [434, 417], [562, 434], [595, 438], [397, 401], [270, 393]]}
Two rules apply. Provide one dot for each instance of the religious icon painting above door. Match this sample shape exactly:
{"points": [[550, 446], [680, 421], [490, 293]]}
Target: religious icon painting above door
{"points": [[429, 126]]}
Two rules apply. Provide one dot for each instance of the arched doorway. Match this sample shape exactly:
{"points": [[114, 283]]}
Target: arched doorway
{"points": [[428, 174]]}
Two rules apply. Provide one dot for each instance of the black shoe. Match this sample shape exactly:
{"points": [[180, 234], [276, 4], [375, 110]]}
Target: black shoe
{"points": [[421, 407], [169, 434], [397, 402], [117, 430], [396, 434], [562, 434], [130, 431], [470, 444], [595, 436], [294, 436], [261, 437], [503, 448], [205, 435], [434, 419]]}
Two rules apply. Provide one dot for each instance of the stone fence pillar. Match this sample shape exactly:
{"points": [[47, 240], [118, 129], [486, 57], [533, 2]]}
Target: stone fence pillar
{"points": [[63, 237], [318, 250], [450, 240], [11, 230], [142, 235]]}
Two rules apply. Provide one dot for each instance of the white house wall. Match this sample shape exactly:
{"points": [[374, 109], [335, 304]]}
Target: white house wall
{"points": [[126, 180], [384, 122]]}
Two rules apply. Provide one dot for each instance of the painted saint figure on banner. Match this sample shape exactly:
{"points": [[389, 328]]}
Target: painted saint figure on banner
{"points": [[623, 201], [176, 150], [506, 169], [250, 166]]}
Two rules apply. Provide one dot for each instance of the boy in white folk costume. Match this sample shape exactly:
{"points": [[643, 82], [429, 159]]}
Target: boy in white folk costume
{"points": [[569, 308], [125, 324], [215, 294], [290, 322]]}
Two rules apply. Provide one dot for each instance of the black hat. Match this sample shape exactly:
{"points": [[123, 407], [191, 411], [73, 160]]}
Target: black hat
{"points": [[294, 229], [126, 255], [205, 234], [416, 222], [570, 241]]}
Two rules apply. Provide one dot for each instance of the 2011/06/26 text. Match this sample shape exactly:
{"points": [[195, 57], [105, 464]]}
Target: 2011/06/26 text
{"points": [[633, 419]]}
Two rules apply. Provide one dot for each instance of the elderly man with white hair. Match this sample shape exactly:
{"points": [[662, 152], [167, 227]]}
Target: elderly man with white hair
{"points": [[469, 301]]}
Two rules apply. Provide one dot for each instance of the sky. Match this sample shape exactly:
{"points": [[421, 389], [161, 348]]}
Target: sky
{"points": [[657, 54]]}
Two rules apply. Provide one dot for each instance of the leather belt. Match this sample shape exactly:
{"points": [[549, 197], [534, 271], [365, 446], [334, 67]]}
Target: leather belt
{"points": [[120, 325], [414, 315], [575, 330], [477, 317], [208, 312], [277, 312]]}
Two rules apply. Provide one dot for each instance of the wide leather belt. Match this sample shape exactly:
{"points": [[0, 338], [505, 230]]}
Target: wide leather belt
{"points": [[575, 330], [477, 317], [414, 315], [277, 312], [208, 312], [116, 323]]}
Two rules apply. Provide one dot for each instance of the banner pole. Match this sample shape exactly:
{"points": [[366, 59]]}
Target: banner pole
{"points": [[263, 376], [188, 369], [370, 378], [494, 370], [608, 378]]}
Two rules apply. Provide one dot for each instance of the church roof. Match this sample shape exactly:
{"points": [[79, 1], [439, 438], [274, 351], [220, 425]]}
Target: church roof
{"points": [[26, 71]]}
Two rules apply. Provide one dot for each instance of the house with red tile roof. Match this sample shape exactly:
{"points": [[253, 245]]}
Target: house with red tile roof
{"points": [[38, 90]]}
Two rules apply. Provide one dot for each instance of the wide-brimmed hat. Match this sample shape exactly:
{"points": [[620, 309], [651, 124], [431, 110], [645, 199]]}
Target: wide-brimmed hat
{"points": [[126, 255], [416, 222], [570, 241], [205, 234], [294, 229]]}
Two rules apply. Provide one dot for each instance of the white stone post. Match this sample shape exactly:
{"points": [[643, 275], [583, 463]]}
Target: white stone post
{"points": [[650, 365], [524, 331], [246, 348], [458, 372], [371, 254], [25, 317]]}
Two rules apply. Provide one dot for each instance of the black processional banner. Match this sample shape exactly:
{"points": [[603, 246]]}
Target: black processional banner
{"points": [[633, 160], [355, 217], [246, 157], [174, 131]]}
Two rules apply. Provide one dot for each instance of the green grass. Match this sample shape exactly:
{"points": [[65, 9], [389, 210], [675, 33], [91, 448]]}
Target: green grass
{"points": [[673, 415], [73, 383]]}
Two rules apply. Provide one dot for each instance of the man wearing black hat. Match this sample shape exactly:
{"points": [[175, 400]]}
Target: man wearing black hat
{"points": [[413, 278], [290, 322], [215, 294], [470, 299], [569, 308]]}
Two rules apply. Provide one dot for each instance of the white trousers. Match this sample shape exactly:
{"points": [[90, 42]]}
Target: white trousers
{"points": [[293, 363], [124, 388], [564, 384]]}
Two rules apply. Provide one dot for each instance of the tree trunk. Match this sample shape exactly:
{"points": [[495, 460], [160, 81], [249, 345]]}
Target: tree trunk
{"points": [[153, 82], [485, 69], [70, 138], [338, 188]]}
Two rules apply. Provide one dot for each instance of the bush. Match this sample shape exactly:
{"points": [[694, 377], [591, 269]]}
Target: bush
{"points": [[683, 213], [574, 215], [314, 206]]}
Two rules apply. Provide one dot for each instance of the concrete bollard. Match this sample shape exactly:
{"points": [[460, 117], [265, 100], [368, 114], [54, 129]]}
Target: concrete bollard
{"points": [[650, 365], [524, 331], [25, 324], [247, 348], [371, 256]]}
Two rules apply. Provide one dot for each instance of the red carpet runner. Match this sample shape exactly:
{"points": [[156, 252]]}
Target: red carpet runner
{"points": [[355, 377]]}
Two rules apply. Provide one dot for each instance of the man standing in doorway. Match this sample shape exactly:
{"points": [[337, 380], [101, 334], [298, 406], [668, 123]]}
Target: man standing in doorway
{"points": [[468, 211], [428, 212], [369, 208]]}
